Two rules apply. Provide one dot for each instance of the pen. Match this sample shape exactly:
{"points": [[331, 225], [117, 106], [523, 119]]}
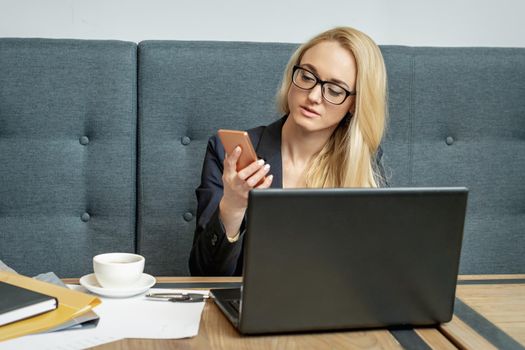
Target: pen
{"points": [[178, 297]]}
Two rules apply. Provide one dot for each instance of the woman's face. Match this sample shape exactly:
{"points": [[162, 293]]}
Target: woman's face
{"points": [[329, 61]]}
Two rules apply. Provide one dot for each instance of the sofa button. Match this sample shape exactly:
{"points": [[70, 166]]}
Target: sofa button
{"points": [[185, 140], [449, 140], [84, 140], [188, 216], [214, 240], [85, 217]]}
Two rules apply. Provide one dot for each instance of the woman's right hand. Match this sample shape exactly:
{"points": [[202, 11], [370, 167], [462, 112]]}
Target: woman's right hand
{"points": [[237, 185]]}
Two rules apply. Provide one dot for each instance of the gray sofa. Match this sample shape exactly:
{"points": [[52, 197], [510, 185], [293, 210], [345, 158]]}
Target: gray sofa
{"points": [[101, 142]]}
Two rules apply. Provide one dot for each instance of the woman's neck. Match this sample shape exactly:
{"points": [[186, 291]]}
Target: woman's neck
{"points": [[299, 145]]}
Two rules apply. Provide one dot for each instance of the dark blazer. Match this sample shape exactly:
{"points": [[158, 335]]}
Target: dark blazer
{"points": [[212, 254]]}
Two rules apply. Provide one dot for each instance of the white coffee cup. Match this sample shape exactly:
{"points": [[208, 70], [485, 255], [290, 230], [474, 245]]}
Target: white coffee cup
{"points": [[118, 270]]}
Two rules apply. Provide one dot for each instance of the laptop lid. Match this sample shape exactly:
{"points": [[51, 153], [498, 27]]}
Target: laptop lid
{"points": [[325, 259]]}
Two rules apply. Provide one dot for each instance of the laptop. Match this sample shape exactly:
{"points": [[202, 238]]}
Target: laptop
{"points": [[334, 259]]}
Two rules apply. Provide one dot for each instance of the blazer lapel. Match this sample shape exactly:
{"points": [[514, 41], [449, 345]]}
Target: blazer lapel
{"points": [[269, 149]]}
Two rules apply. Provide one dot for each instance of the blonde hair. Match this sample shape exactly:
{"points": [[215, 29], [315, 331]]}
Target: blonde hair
{"points": [[348, 158]]}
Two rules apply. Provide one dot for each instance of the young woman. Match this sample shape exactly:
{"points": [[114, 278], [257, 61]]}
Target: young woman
{"points": [[333, 97]]}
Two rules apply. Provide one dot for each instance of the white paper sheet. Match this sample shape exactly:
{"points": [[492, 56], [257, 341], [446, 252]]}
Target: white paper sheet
{"points": [[134, 317]]}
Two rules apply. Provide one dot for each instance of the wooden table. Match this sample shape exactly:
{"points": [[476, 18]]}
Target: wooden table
{"points": [[489, 314], [493, 314]]}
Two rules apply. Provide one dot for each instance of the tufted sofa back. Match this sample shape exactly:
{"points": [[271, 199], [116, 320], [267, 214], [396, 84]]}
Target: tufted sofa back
{"points": [[67, 152], [457, 118], [101, 142], [188, 90]]}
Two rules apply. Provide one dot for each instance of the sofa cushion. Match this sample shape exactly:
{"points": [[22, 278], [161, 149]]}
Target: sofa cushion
{"points": [[468, 129], [67, 152], [188, 90]]}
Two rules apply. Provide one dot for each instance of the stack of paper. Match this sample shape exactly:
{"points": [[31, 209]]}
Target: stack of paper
{"points": [[134, 317], [71, 305]]}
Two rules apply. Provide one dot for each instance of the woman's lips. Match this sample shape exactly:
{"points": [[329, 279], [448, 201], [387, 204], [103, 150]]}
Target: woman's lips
{"points": [[309, 112]]}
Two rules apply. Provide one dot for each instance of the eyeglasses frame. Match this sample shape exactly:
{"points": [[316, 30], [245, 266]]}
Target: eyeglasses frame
{"points": [[318, 81]]}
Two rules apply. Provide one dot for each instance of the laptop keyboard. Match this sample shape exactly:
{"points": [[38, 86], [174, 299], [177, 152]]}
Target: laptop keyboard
{"points": [[236, 304]]}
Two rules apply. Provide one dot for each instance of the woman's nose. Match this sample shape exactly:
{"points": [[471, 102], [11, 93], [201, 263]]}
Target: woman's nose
{"points": [[315, 95]]}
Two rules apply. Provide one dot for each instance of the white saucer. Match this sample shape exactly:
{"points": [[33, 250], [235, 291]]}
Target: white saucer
{"points": [[90, 283]]}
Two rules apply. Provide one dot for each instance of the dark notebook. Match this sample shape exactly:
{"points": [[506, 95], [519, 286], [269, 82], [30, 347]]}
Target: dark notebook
{"points": [[17, 303]]}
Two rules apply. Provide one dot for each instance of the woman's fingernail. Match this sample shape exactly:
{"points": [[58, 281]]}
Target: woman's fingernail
{"points": [[237, 150], [260, 161], [267, 167]]}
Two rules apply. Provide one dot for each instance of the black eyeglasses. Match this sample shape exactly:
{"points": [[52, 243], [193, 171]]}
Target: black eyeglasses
{"points": [[332, 92]]}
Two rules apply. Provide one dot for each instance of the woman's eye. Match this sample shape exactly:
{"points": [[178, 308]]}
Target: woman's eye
{"points": [[334, 91], [307, 77]]}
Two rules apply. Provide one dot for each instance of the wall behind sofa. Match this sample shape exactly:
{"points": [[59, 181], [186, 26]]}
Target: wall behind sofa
{"points": [[402, 22]]}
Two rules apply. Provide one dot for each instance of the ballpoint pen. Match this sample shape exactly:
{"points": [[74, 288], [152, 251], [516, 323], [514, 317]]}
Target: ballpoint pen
{"points": [[178, 297]]}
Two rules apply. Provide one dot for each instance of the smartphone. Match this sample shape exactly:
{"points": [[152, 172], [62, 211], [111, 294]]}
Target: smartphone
{"points": [[233, 138]]}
